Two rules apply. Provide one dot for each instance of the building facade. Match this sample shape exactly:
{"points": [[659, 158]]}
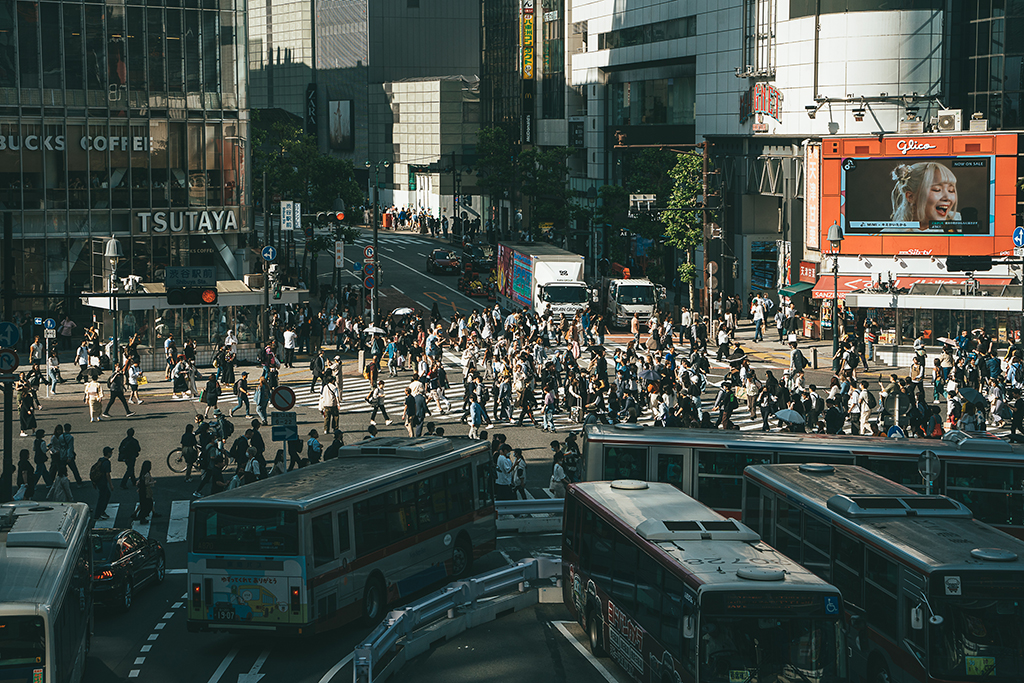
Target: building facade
{"points": [[127, 121]]}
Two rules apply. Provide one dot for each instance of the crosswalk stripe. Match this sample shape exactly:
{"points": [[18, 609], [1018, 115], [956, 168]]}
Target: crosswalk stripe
{"points": [[177, 523], [142, 527], [108, 523]]}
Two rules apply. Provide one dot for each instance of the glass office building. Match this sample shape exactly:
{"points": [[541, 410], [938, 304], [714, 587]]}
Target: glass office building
{"points": [[122, 119]]}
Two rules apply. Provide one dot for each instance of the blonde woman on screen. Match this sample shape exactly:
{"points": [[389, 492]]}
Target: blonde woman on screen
{"points": [[924, 193]]}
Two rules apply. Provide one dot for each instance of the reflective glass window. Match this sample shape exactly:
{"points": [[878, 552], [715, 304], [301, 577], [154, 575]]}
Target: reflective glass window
{"points": [[28, 43], [74, 41], [52, 63], [8, 67], [155, 48]]}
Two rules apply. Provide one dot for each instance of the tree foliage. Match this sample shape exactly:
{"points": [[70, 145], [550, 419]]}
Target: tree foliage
{"points": [[684, 228]]}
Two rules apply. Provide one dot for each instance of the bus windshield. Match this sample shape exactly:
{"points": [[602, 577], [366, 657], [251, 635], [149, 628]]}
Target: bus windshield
{"points": [[245, 531], [563, 294], [978, 639], [22, 641], [801, 650], [636, 294]]}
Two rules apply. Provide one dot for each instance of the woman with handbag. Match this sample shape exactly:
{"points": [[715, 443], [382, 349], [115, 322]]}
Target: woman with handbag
{"points": [[145, 485], [376, 398]]}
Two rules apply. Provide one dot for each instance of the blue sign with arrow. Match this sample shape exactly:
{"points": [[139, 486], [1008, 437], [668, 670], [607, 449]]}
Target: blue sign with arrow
{"points": [[1018, 236], [9, 334], [269, 253], [50, 324]]}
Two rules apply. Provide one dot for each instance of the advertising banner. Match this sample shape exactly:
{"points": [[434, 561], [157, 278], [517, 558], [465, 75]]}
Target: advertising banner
{"points": [[812, 196], [522, 277], [527, 39], [921, 195]]}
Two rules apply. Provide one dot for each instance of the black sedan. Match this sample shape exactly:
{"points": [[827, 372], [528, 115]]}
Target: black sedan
{"points": [[123, 561], [479, 259], [442, 261]]}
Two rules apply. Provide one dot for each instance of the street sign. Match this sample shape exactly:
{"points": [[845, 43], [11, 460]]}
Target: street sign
{"points": [[283, 398], [357, 267], [283, 427], [182, 276], [339, 254], [9, 360], [369, 269], [9, 334], [298, 216], [38, 321], [50, 324], [287, 215], [929, 465], [368, 251], [369, 282], [896, 432], [269, 253], [49, 334], [1018, 236]]}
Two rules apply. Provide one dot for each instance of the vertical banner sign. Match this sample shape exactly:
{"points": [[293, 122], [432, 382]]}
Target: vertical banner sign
{"points": [[311, 118], [297, 209], [527, 40], [812, 197], [287, 215], [339, 254]]}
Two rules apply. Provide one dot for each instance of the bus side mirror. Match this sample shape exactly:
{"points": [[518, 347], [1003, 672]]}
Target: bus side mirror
{"points": [[688, 627], [917, 618]]}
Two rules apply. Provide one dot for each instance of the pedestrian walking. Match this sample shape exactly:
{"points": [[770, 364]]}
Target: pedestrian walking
{"points": [[99, 475], [559, 481], [211, 395], [145, 485], [375, 398], [328, 405], [128, 452], [241, 390], [116, 384]]}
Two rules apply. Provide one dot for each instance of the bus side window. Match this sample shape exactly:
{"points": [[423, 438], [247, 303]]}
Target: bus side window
{"points": [[674, 609], [848, 568], [816, 546], [344, 540], [787, 530], [648, 595], [569, 529], [752, 506], [880, 593], [586, 539], [624, 578], [603, 555], [323, 540]]}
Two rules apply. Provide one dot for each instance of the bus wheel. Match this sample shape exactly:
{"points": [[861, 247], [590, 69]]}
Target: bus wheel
{"points": [[126, 595], [462, 558], [594, 631], [373, 601]]}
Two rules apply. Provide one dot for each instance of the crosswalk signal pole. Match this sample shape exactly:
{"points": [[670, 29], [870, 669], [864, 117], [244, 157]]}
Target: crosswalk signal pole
{"points": [[7, 471], [374, 300]]}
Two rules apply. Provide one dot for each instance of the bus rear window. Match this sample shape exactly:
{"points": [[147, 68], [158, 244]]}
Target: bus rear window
{"points": [[22, 641], [245, 531]]}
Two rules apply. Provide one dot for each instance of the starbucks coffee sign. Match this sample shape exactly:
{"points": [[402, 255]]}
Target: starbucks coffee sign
{"points": [[183, 221]]}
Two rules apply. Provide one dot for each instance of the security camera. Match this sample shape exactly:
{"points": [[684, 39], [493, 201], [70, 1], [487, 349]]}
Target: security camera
{"points": [[858, 114], [812, 109]]}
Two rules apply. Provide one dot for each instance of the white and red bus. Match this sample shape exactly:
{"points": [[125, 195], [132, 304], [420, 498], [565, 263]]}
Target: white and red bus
{"points": [[322, 545], [674, 591], [932, 594], [983, 472]]}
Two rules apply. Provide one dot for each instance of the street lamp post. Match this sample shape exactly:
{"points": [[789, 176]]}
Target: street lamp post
{"points": [[374, 300], [835, 240], [114, 252]]}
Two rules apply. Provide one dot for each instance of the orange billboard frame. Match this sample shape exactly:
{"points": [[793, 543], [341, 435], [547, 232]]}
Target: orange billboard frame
{"points": [[1000, 148]]}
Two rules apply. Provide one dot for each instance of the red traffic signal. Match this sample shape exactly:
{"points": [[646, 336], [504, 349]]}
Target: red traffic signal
{"points": [[339, 216], [192, 296]]}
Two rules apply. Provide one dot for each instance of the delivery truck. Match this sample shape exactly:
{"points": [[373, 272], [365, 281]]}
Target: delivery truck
{"points": [[622, 297], [541, 277]]}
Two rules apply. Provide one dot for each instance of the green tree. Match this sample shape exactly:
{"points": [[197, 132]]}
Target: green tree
{"points": [[683, 227], [498, 163], [545, 177]]}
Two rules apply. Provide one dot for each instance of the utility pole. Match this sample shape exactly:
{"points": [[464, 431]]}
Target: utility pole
{"points": [[7, 475], [266, 265]]}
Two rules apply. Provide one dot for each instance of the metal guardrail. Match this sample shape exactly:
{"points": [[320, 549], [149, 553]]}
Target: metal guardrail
{"points": [[533, 506], [459, 596]]}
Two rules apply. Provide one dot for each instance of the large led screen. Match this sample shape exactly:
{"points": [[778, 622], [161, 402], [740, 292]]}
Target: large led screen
{"points": [[919, 195]]}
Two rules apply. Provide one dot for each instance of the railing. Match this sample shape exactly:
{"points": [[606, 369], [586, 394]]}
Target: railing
{"points": [[450, 602], [533, 506]]}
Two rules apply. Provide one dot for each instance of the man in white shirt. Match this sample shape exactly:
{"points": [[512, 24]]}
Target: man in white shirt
{"points": [[328, 405], [757, 311], [290, 337], [503, 475]]}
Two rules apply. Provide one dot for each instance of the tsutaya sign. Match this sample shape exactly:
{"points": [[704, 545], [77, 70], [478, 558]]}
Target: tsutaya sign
{"points": [[183, 221], [58, 143]]}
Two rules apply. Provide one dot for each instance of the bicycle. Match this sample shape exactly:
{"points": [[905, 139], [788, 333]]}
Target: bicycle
{"points": [[176, 461]]}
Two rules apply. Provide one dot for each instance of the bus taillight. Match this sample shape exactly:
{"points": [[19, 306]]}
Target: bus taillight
{"points": [[295, 599], [197, 595]]}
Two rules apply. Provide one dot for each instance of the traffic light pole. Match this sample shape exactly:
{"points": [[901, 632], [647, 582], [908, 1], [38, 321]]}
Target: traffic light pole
{"points": [[266, 265], [374, 301], [7, 474]]}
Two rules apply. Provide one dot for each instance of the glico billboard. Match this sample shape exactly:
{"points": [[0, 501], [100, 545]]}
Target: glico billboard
{"points": [[931, 195]]}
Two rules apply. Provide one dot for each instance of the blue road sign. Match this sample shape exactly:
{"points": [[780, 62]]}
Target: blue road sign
{"points": [[9, 334], [896, 432], [38, 321], [1018, 236], [369, 269], [369, 282], [357, 267], [831, 604], [284, 433], [50, 324], [269, 253]]}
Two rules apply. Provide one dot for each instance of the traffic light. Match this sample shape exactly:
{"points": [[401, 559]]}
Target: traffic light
{"points": [[968, 264], [277, 289], [330, 216], [192, 296]]}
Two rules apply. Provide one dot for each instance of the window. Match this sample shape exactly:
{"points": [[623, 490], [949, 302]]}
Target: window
{"points": [[624, 580], [670, 469], [245, 531], [816, 546], [848, 568], [752, 507], [648, 33], [720, 477], [625, 463], [880, 593], [648, 595], [323, 540], [371, 524], [603, 554], [674, 609], [344, 540]]}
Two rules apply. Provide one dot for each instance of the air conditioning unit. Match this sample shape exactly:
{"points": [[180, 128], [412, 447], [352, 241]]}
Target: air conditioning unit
{"points": [[914, 127], [253, 280], [978, 125], [950, 120]]}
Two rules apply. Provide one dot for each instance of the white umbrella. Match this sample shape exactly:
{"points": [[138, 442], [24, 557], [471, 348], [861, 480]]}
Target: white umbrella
{"points": [[791, 416], [373, 329], [404, 310]]}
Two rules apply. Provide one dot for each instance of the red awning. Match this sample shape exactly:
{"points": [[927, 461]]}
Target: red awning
{"points": [[824, 289], [854, 283]]}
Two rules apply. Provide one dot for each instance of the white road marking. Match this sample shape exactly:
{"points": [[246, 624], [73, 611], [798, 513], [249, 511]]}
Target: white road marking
{"points": [[140, 660], [601, 669], [225, 663], [177, 524], [168, 615], [134, 673], [160, 626], [108, 523], [177, 605], [153, 636], [336, 668], [146, 648]]}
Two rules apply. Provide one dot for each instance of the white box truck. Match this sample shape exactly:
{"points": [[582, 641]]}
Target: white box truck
{"points": [[541, 277]]}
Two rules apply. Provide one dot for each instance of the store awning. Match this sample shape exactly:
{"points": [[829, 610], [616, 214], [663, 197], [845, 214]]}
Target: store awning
{"points": [[825, 287], [907, 282], [796, 288]]}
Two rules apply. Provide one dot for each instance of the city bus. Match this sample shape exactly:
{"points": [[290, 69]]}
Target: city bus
{"points": [[931, 593], [674, 591], [982, 471], [320, 546], [45, 591]]}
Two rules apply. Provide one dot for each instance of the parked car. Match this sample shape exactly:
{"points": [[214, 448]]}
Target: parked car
{"points": [[478, 258], [442, 261], [123, 561]]}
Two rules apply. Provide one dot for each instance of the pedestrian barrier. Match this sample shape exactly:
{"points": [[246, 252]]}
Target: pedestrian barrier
{"points": [[533, 516], [408, 632], [533, 506]]}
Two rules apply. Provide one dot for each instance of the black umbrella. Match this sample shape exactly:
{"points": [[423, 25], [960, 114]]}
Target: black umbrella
{"points": [[972, 395], [650, 375]]}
